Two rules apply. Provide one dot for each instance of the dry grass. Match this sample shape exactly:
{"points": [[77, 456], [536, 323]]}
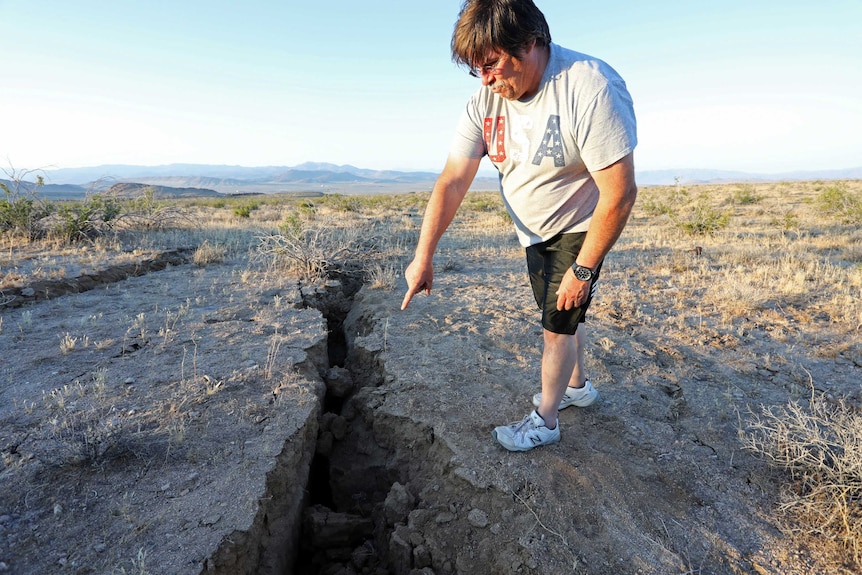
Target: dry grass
{"points": [[753, 265], [785, 249], [821, 447], [717, 265]]}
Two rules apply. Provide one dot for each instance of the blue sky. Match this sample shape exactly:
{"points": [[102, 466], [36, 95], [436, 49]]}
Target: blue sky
{"points": [[764, 86]]}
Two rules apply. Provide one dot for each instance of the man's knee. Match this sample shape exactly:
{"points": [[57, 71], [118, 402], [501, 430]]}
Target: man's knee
{"points": [[557, 338]]}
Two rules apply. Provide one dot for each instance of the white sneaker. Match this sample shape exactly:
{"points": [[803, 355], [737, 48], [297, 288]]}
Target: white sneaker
{"points": [[526, 434], [577, 396]]}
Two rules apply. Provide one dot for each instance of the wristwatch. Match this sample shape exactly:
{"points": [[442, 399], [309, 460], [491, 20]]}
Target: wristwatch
{"points": [[583, 273]]}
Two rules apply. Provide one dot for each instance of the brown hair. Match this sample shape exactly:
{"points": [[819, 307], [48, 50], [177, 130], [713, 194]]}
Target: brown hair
{"points": [[485, 26]]}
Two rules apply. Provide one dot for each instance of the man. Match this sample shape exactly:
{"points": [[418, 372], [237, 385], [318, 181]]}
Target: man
{"points": [[559, 126]]}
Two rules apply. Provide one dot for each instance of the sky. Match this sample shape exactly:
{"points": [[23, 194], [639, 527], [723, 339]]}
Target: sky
{"points": [[762, 86]]}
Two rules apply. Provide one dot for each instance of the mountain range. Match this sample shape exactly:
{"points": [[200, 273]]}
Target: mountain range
{"points": [[204, 179]]}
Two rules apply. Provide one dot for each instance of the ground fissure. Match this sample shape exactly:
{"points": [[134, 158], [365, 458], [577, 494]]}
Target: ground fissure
{"points": [[226, 419]]}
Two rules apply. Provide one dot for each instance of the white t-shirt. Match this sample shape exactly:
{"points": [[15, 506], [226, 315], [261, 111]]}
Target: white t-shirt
{"points": [[544, 147]]}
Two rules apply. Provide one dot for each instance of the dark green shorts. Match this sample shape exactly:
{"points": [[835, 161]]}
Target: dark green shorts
{"points": [[547, 262]]}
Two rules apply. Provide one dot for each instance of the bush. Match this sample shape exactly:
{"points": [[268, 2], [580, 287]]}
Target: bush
{"points": [[314, 249], [746, 195], [703, 219], [208, 253], [245, 210], [821, 448], [839, 202], [145, 212], [339, 203], [663, 202], [21, 210]]}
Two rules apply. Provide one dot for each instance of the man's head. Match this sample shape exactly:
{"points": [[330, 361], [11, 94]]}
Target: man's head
{"points": [[487, 29]]}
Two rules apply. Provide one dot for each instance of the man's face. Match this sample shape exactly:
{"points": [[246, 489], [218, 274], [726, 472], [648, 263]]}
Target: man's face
{"points": [[512, 78]]}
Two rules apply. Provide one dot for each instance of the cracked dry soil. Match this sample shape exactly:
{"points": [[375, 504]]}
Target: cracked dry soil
{"points": [[224, 420]]}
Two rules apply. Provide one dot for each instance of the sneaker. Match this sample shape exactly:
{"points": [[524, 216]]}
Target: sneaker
{"points": [[526, 434], [577, 396]]}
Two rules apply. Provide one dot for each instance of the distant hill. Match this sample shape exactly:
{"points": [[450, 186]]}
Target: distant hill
{"points": [[687, 176], [121, 190], [48, 191], [321, 177], [309, 177], [135, 190]]}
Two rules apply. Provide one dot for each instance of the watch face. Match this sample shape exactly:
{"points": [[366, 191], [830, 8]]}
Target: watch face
{"points": [[583, 274]]}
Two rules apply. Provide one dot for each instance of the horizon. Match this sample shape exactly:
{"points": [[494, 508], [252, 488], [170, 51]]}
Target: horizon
{"points": [[730, 87], [484, 169], [225, 178]]}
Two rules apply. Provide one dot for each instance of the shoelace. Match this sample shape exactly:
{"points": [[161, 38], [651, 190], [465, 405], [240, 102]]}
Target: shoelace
{"points": [[519, 428]]}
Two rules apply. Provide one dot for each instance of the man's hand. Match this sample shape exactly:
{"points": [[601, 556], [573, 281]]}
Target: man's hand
{"points": [[572, 292], [419, 277]]}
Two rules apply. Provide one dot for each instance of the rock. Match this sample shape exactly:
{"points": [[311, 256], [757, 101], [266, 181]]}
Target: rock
{"points": [[478, 518], [339, 428], [399, 502], [339, 382], [326, 420], [327, 529], [444, 517], [363, 555], [400, 552], [421, 557]]}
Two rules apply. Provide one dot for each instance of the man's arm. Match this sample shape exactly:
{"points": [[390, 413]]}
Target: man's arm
{"points": [[449, 191], [617, 194]]}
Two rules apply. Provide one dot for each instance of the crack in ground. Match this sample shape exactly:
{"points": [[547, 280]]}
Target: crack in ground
{"points": [[49, 289]]}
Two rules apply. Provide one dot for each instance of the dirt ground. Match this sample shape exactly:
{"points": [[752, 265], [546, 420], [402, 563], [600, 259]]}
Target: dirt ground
{"points": [[144, 422], [197, 420]]}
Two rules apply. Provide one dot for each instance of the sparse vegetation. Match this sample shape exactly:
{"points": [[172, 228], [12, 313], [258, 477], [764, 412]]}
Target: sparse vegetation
{"points": [[841, 203], [701, 218], [245, 210], [746, 195], [24, 214], [750, 282], [208, 253], [820, 447], [313, 247]]}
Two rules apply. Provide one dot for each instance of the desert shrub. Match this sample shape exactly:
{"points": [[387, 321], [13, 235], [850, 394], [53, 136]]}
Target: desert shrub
{"points": [[306, 208], [22, 210], [145, 212], [382, 276], [821, 449], [652, 206], [664, 201], [314, 248], [341, 203], [841, 203], [746, 195], [787, 221], [702, 218], [245, 210], [482, 202], [86, 428], [77, 221], [21, 216], [208, 253]]}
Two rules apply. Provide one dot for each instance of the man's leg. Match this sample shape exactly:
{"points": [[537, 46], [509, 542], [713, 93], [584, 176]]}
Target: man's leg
{"points": [[579, 374], [560, 360]]}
